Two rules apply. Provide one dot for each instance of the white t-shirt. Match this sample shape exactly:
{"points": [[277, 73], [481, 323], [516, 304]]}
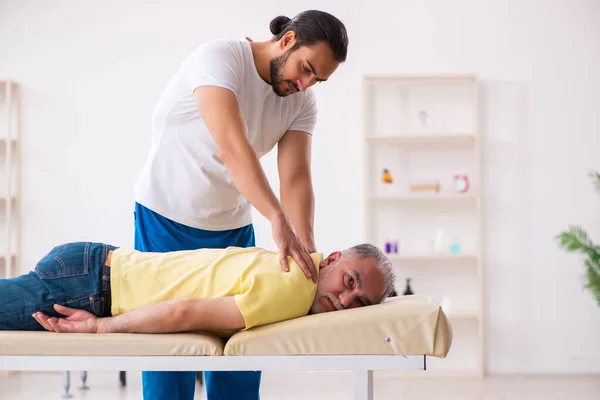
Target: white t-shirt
{"points": [[184, 178]]}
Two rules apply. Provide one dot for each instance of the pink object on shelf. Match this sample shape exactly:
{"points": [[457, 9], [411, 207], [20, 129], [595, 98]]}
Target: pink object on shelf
{"points": [[461, 183]]}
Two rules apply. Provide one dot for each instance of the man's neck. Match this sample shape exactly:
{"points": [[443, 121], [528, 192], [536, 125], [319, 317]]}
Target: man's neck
{"points": [[262, 54]]}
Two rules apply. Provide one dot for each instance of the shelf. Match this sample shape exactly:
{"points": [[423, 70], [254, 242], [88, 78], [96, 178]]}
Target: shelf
{"points": [[409, 79], [425, 130], [428, 197], [463, 315], [430, 373], [447, 140], [10, 94], [432, 257], [4, 201]]}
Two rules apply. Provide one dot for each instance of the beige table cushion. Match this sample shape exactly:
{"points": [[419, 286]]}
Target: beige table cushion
{"points": [[407, 325], [27, 343]]}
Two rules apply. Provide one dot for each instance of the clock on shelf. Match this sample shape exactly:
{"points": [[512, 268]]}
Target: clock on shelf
{"points": [[461, 183]]}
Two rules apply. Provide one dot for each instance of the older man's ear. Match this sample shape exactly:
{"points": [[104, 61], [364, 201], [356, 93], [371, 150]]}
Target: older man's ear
{"points": [[331, 259]]}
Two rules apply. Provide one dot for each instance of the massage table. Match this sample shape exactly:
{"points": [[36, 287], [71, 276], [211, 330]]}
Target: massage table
{"points": [[377, 337]]}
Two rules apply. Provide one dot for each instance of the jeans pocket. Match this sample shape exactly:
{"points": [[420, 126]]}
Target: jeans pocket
{"points": [[64, 261], [93, 303]]}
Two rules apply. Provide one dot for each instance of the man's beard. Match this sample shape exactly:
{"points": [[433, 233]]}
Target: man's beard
{"points": [[276, 78], [317, 307]]}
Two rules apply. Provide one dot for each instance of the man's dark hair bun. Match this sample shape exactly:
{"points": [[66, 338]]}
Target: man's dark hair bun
{"points": [[311, 27], [278, 24]]}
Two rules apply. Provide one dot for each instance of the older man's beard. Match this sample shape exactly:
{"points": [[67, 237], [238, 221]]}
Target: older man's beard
{"points": [[317, 307], [276, 78]]}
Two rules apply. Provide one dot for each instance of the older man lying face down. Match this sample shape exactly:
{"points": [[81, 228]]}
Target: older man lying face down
{"points": [[98, 288]]}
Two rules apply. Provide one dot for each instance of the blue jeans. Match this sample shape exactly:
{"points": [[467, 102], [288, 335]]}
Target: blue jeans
{"points": [[71, 274], [153, 232]]}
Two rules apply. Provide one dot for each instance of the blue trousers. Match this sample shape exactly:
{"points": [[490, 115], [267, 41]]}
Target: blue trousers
{"points": [[71, 274], [153, 232]]}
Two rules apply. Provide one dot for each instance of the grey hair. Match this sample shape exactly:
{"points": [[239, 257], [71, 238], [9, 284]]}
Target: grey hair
{"points": [[366, 250]]}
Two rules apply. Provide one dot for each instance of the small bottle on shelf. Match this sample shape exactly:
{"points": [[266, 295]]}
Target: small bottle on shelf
{"points": [[437, 241], [455, 247], [408, 289]]}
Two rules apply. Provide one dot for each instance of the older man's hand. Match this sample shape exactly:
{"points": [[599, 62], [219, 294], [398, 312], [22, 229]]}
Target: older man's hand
{"points": [[77, 321]]}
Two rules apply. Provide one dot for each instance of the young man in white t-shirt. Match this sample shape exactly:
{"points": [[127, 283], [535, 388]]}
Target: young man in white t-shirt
{"points": [[230, 103]]}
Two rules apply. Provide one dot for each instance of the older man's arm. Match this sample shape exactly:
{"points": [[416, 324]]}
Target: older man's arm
{"points": [[182, 315]]}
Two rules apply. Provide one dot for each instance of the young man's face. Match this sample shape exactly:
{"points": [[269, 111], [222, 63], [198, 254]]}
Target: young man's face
{"points": [[347, 282], [297, 70]]}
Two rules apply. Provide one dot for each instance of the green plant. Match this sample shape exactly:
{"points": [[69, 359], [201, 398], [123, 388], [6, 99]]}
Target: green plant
{"points": [[575, 239]]}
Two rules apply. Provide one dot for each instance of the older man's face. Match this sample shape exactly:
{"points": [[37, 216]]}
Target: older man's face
{"points": [[347, 282]]}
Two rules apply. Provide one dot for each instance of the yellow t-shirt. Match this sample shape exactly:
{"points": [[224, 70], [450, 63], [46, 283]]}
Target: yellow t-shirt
{"points": [[263, 292]]}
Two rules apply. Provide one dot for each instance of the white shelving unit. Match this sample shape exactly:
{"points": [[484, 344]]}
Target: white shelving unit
{"points": [[10, 177], [424, 130]]}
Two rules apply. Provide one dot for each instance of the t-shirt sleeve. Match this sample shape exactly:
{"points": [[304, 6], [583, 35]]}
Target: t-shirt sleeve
{"points": [[214, 64], [266, 299], [307, 118]]}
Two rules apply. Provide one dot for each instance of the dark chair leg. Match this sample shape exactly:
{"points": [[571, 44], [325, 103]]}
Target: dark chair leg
{"points": [[200, 377], [123, 378]]}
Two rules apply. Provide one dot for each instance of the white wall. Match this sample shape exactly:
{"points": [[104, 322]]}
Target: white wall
{"points": [[92, 71]]}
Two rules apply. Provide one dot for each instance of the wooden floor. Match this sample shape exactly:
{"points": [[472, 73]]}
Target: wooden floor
{"points": [[319, 386]]}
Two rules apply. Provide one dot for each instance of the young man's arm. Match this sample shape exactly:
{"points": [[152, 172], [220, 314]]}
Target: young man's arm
{"points": [[182, 315], [221, 114], [295, 183]]}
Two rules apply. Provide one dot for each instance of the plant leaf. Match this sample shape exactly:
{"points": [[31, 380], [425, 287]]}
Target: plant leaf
{"points": [[595, 179]]}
